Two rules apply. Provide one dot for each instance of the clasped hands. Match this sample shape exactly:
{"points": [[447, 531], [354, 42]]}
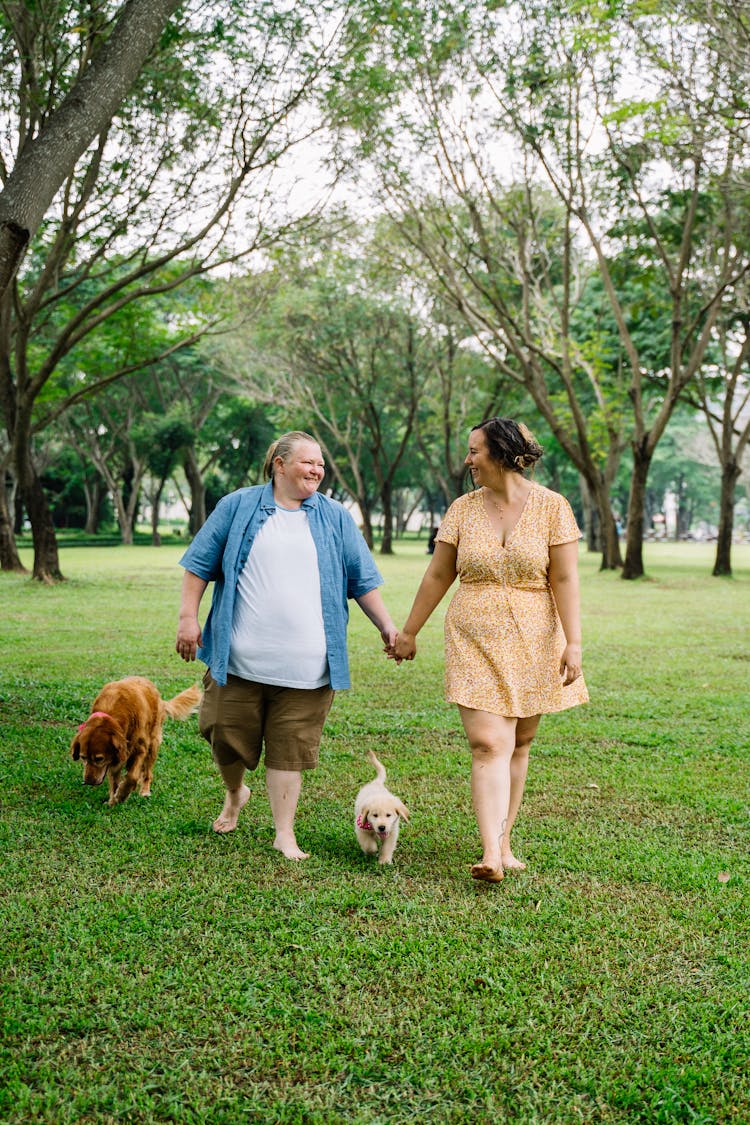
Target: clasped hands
{"points": [[402, 646]]}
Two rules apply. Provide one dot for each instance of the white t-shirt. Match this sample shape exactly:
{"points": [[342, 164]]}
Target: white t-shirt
{"points": [[277, 630]]}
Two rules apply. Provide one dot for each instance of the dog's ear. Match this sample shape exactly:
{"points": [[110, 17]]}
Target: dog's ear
{"points": [[75, 748], [119, 746], [402, 811], [364, 814]]}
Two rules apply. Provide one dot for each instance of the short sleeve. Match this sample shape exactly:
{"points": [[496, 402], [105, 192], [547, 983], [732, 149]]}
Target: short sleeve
{"points": [[361, 572], [450, 528], [205, 554], [563, 526]]}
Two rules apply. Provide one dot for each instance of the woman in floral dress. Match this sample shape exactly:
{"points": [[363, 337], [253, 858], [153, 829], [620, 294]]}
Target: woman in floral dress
{"points": [[512, 630]]}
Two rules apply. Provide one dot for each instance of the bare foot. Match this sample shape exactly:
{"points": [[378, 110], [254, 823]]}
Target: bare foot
{"points": [[487, 872], [510, 863], [286, 843], [234, 802]]}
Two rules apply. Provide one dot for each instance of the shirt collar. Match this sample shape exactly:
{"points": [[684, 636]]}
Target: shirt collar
{"points": [[267, 501]]}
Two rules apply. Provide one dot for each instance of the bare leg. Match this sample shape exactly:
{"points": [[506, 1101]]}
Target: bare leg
{"points": [[519, 765], [492, 741], [235, 799], [284, 787]]}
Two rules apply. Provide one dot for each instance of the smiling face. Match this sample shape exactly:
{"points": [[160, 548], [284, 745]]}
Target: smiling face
{"points": [[297, 478], [484, 471]]}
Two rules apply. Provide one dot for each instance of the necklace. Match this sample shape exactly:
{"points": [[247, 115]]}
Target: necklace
{"points": [[498, 507]]}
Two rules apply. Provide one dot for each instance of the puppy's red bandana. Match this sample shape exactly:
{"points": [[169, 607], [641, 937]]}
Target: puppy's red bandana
{"points": [[94, 715], [365, 824]]}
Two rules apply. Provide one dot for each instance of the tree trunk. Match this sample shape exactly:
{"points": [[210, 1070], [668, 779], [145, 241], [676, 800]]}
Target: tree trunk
{"points": [[610, 540], [10, 560], [155, 506], [18, 513], [592, 525], [386, 499], [49, 158], [367, 532], [633, 567], [599, 511], [92, 491], [46, 557], [730, 472], [123, 519], [194, 477]]}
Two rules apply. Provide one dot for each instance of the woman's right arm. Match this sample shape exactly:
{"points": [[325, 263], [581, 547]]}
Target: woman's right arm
{"points": [[438, 578]]}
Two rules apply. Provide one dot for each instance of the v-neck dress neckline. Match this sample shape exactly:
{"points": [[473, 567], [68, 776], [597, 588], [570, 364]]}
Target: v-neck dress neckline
{"points": [[511, 533]]}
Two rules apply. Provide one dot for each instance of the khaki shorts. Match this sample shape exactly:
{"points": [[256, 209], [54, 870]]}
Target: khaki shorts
{"points": [[239, 718]]}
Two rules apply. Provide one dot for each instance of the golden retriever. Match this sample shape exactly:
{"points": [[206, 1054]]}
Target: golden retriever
{"points": [[377, 816], [122, 735]]}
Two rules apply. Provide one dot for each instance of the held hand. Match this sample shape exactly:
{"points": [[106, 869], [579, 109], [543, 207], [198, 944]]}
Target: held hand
{"points": [[389, 634], [189, 638], [570, 664], [405, 647]]}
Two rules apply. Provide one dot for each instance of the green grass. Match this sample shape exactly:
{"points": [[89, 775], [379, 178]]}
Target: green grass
{"points": [[152, 971]]}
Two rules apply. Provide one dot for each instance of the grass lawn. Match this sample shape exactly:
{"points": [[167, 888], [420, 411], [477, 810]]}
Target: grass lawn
{"points": [[152, 971]]}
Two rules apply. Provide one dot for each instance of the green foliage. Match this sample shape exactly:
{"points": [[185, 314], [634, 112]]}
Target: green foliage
{"points": [[341, 350], [164, 438], [235, 438], [65, 478], [153, 971]]}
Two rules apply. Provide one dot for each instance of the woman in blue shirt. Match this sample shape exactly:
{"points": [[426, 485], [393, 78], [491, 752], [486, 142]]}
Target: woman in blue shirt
{"points": [[284, 561]]}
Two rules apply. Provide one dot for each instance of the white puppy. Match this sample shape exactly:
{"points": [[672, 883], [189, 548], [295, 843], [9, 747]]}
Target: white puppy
{"points": [[377, 815]]}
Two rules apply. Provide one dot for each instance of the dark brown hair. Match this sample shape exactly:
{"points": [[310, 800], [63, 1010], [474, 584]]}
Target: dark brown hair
{"points": [[510, 444]]}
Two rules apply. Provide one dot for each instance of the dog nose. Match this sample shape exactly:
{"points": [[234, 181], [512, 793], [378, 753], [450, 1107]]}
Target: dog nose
{"points": [[381, 828]]}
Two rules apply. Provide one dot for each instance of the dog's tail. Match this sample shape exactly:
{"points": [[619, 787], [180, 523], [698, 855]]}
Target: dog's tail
{"points": [[185, 703], [378, 765]]}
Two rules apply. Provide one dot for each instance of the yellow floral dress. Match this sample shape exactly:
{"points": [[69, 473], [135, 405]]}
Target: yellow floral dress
{"points": [[503, 638]]}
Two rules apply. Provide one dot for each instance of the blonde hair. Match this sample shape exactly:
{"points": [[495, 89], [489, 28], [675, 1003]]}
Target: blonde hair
{"points": [[283, 447]]}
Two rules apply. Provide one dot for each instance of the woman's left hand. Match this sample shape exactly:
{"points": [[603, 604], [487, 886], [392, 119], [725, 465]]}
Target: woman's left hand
{"points": [[571, 663]]}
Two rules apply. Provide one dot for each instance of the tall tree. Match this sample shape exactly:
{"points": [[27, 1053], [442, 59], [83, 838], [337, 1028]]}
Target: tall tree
{"points": [[510, 266], [57, 123], [722, 385], [342, 350], [722, 390], [179, 179], [613, 156], [611, 106]]}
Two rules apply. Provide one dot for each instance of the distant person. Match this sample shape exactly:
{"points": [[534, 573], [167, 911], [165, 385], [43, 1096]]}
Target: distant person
{"points": [[512, 630], [284, 560]]}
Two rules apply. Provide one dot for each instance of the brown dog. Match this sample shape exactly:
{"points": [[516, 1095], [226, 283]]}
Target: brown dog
{"points": [[122, 735]]}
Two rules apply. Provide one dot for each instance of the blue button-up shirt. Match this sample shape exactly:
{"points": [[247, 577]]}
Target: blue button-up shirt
{"points": [[219, 552]]}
